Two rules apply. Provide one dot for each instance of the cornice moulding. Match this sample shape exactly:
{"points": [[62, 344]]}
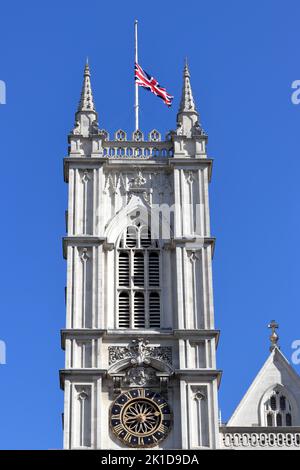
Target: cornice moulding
{"points": [[92, 333], [81, 373], [153, 163], [207, 374], [81, 240]]}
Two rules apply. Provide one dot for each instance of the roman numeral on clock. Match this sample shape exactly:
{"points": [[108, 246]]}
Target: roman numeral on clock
{"points": [[162, 406], [118, 428], [163, 429], [127, 437]]}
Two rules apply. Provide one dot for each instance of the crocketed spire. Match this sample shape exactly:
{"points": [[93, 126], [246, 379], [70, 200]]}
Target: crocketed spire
{"points": [[187, 116], [86, 102], [187, 103]]}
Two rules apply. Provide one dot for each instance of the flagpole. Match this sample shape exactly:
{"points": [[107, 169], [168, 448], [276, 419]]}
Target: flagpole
{"points": [[136, 103]]}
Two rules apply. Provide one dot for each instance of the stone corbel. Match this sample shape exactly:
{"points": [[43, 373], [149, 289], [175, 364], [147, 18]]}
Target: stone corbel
{"points": [[108, 246], [170, 245]]}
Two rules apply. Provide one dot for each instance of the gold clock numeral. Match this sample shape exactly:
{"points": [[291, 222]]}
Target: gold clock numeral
{"points": [[162, 406], [162, 428], [115, 416], [127, 438], [141, 441], [118, 428], [142, 393]]}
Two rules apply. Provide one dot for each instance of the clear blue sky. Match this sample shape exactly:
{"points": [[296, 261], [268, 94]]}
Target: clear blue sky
{"points": [[243, 58]]}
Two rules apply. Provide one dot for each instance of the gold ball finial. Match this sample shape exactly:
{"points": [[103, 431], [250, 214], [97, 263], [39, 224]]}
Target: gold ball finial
{"points": [[274, 338]]}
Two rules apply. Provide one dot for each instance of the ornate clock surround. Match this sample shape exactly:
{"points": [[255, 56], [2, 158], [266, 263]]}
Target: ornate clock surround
{"points": [[140, 418]]}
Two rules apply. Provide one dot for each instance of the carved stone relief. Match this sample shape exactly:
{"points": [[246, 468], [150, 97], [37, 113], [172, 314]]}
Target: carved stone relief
{"points": [[140, 376], [139, 182], [140, 353]]}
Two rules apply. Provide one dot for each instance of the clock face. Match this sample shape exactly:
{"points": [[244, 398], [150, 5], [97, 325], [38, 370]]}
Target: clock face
{"points": [[140, 418]]}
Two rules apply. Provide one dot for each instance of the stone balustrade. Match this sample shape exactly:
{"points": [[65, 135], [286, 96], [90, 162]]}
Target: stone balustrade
{"points": [[136, 149], [259, 437]]}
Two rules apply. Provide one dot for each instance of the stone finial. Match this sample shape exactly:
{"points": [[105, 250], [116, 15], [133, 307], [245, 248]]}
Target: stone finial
{"points": [[274, 338], [86, 102], [187, 103]]}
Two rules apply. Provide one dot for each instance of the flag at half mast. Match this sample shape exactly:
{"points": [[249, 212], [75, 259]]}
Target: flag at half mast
{"points": [[142, 78]]}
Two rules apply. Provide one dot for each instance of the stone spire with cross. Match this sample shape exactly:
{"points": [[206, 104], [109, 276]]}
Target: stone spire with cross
{"points": [[274, 338]]}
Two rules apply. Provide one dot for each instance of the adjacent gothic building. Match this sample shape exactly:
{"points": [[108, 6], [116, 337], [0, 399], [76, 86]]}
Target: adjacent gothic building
{"points": [[140, 339]]}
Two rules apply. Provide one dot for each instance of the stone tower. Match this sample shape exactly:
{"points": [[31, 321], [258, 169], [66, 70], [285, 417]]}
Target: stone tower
{"points": [[140, 341]]}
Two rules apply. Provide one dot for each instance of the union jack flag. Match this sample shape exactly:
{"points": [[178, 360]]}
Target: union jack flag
{"points": [[143, 79]]}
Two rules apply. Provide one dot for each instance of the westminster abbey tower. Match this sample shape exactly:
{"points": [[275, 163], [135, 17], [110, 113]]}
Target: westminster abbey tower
{"points": [[140, 339]]}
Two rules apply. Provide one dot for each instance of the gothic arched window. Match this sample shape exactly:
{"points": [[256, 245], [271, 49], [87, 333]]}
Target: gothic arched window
{"points": [[277, 408], [138, 279]]}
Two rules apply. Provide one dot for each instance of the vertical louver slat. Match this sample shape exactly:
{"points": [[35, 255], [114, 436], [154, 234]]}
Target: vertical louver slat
{"points": [[139, 310], [138, 267], [124, 269], [153, 269], [124, 310], [154, 310]]}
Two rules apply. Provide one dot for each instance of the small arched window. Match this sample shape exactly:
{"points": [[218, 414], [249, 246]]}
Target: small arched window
{"points": [[278, 419], [269, 419], [282, 402], [277, 408], [138, 279], [288, 418]]}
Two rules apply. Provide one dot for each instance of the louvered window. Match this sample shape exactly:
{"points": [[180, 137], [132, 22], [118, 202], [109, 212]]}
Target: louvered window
{"points": [[124, 310], [139, 310], [131, 237], [153, 269], [154, 310], [124, 269], [138, 261], [145, 239], [138, 269]]}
